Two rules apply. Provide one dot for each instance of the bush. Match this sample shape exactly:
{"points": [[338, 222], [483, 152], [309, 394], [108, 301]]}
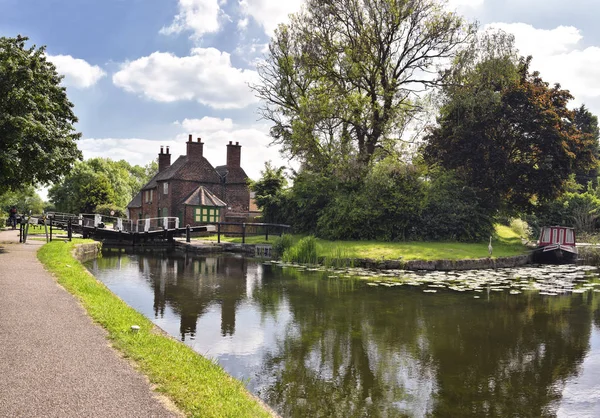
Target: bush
{"points": [[304, 252], [453, 212], [521, 228], [281, 244]]}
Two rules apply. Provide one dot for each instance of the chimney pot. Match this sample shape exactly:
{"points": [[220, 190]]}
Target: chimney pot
{"points": [[230, 142], [199, 139], [237, 143], [190, 138], [167, 150], [161, 149]]}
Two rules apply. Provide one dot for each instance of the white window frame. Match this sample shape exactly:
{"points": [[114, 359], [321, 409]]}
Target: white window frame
{"points": [[165, 188]]}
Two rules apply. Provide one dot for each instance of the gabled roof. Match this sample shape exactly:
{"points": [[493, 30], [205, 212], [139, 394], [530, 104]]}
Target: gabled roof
{"points": [[166, 174], [203, 197], [232, 174], [222, 170], [136, 202], [184, 169]]}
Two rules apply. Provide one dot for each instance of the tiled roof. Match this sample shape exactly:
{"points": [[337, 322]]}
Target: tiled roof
{"points": [[184, 169], [222, 170], [166, 174], [136, 202], [232, 174], [203, 197]]}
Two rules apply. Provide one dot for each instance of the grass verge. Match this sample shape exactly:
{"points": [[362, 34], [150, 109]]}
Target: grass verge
{"points": [[506, 243], [198, 386]]}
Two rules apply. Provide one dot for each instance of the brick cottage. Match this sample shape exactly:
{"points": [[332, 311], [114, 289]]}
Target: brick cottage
{"points": [[193, 190]]}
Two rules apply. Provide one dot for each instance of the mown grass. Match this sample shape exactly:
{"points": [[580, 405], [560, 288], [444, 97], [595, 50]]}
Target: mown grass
{"points": [[198, 386], [505, 243]]}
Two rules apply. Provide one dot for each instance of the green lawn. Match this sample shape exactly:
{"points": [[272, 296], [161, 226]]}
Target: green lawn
{"points": [[505, 242], [197, 385]]}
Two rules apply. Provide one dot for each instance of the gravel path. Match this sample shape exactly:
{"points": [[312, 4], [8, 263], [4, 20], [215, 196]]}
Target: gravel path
{"points": [[54, 361]]}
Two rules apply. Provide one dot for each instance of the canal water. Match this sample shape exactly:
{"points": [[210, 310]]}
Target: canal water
{"points": [[516, 342]]}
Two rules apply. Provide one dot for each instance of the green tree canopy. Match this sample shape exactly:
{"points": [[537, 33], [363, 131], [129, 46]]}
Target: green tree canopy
{"points": [[507, 133], [25, 199], [341, 79], [587, 123], [99, 182], [269, 191], [37, 136]]}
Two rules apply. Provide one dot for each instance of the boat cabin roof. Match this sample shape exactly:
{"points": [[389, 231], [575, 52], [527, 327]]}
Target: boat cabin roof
{"points": [[563, 235]]}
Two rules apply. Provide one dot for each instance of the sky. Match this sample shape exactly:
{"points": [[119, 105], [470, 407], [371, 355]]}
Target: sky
{"points": [[146, 73]]}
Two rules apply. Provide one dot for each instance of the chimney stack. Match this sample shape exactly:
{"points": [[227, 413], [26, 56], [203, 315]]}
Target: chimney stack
{"points": [[194, 149], [234, 153], [164, 160]]}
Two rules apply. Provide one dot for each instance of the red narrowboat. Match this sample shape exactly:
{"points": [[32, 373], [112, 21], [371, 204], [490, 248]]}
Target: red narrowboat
{"points": [[556, 246]]}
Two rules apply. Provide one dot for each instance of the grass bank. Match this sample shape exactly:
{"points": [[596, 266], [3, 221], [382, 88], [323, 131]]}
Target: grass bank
{"points": [[198, 386], [505, 242]]}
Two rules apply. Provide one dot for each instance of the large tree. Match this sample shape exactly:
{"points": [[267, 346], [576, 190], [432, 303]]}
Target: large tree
{"points": [[37, 137], [99, 181], [342, 79], [587, 123], [508, 134]]}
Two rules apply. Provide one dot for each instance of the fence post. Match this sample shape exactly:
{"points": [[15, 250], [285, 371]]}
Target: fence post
{"points": [[267, 233], [70, 229], [20, 232], [244, 233], [51, 222], [187, 233], [219, 233]]}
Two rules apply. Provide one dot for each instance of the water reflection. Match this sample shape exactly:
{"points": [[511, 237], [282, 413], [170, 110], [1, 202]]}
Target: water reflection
{"points": [[313, 345]]}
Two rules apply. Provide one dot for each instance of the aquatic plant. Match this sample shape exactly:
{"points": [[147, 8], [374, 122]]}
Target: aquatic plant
{"points": [[304, 252]]}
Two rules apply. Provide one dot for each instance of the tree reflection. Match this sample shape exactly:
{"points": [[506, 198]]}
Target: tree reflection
{"points": [[352, 350], [345, 349]]}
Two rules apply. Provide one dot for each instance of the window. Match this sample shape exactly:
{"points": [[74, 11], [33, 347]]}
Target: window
{"points": [[206, 214], [165, 188], [148, 195]]}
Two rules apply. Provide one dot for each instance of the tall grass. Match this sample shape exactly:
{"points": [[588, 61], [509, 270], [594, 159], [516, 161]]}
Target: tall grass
{"points": [[338, 257], [304, 252]]}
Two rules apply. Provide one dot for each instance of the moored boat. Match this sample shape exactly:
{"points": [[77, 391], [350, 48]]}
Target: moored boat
{"points": [[556, 246]]}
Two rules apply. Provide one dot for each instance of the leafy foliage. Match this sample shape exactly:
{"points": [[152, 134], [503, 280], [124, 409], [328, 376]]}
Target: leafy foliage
{"points": [[37, 137], [587, 123], [270, 191], [341, 79], [98, 182], [452, 211], [510, 137], [25, 199]]}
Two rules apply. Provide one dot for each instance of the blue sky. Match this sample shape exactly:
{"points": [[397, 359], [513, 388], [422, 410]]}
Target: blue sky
{"points": [[146, 73]]}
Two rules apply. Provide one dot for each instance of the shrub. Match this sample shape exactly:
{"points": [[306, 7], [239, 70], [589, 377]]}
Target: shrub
{"points": [[521, 228], [304, 252], [281, 244]]}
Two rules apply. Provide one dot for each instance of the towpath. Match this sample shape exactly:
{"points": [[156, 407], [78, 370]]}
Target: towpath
{"points": [[54, 361]]}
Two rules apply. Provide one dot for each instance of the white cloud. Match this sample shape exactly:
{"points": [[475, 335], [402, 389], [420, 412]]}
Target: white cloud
{"points": [[558, 57], [206, 76], [215, 133], [269, 13], [543, 42], [206, 124], [198, 16], [78, 73]]}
